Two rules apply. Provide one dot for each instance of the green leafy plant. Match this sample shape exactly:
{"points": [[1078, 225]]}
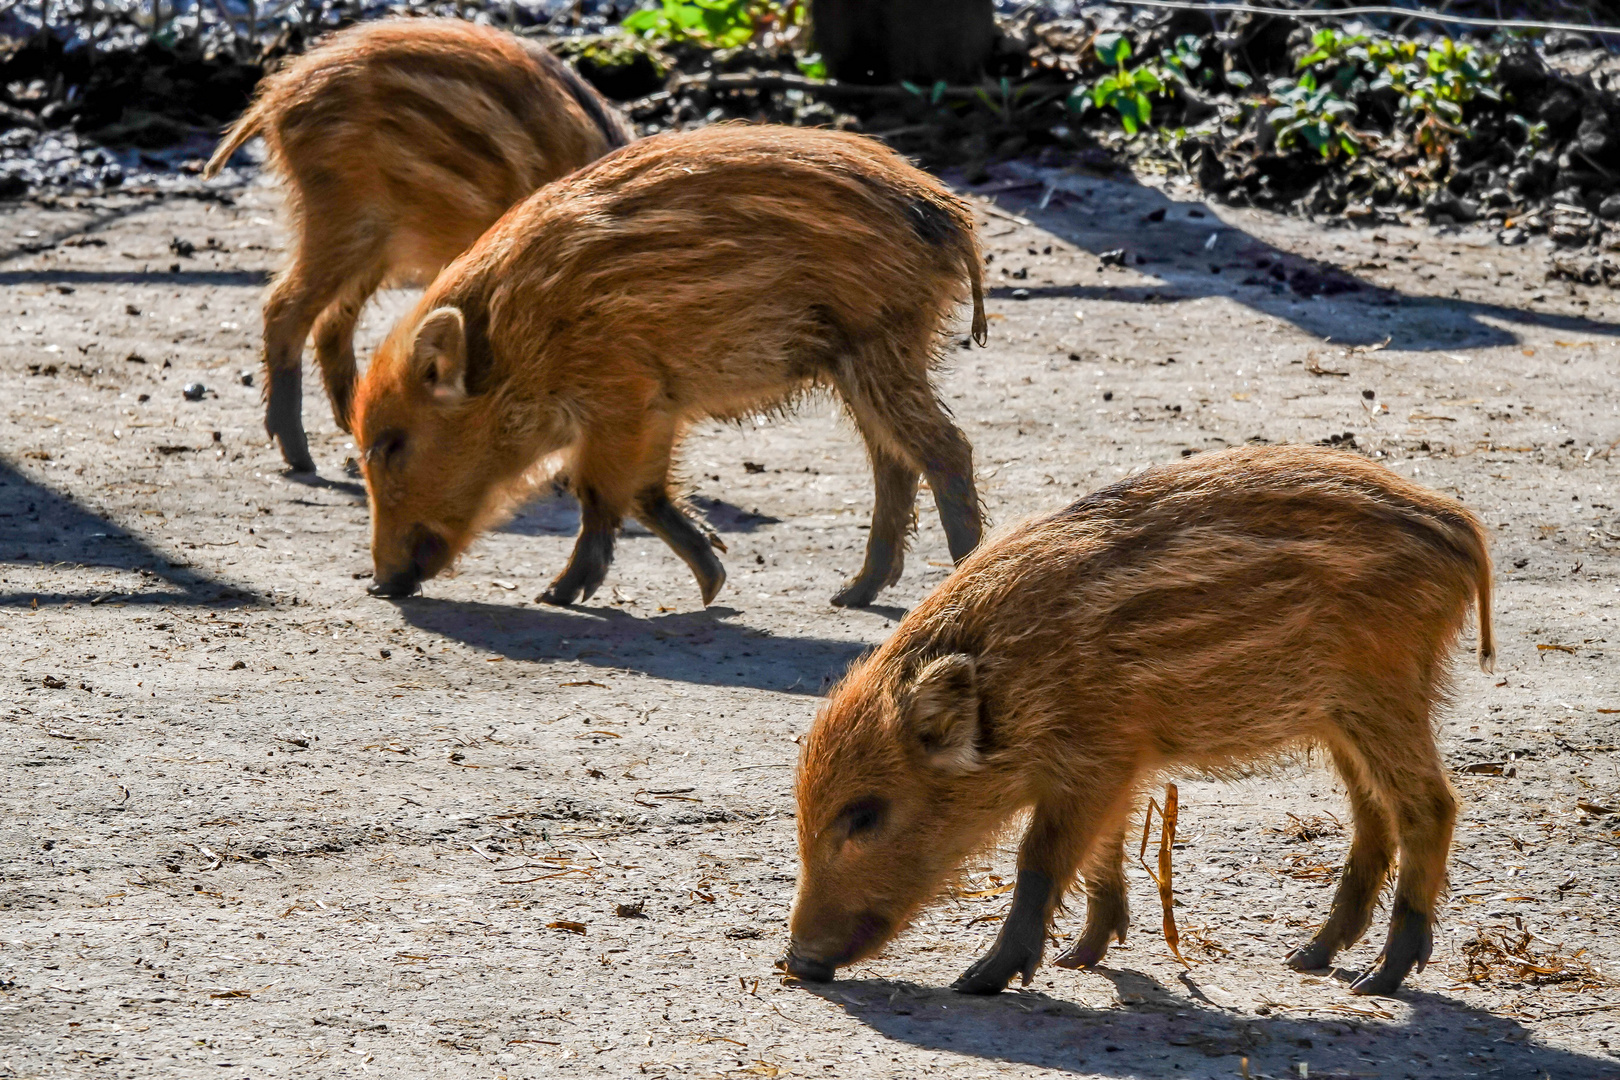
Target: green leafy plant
{"points": [[1125, 91], [1315, 117], [1183, 63], [718, 24]]}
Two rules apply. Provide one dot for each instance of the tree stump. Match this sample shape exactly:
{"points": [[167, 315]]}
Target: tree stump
{"points": [[920, 41]]}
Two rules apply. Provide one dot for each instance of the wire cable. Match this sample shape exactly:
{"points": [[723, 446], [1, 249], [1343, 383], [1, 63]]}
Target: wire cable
{"points": [[1420, 14]]}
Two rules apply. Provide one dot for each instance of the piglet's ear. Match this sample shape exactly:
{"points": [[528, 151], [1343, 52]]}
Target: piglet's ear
{"points": [[941, 714], [439, 355]]}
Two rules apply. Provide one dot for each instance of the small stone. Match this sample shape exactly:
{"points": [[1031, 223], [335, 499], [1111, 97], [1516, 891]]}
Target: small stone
{"points": [[247, 378], [194, 391], [1443, 204], [1020, 294], [1609, 209]]}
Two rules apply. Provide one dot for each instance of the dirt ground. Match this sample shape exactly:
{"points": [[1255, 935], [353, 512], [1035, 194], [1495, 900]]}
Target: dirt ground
{"points": [[256, 823]]}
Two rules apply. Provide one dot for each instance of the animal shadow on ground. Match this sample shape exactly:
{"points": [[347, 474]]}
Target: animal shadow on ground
{"points": [[1160, 1032], [1194, 254], [700, 647], [213, 279], [355, 491], [44, 527], [556, 513]]}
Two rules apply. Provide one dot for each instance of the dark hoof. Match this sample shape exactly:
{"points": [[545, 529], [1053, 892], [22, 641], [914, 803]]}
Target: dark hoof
{"points": [[295, 451], [1411, 940], [1379, 983], [1086, 953], [858, 593], [992, 973], [576, 585], [709, 583], [996, 968], [1311, 956], [394, 588]]}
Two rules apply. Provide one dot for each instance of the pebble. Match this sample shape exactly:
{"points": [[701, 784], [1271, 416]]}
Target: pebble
{"points": [[194, 391]]}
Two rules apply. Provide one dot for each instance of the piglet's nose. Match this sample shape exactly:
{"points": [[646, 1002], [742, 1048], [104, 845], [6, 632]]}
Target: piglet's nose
{"points": [[400, 585], [801, 967], [427, 554]]}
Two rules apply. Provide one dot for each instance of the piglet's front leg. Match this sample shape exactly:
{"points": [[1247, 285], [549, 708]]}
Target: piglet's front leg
{"points": [[1018, 947]]}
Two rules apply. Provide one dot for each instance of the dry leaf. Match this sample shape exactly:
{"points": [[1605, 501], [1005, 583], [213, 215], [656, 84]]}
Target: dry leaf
{"points": [[980, 894], [564, 924], [1167, 839]]}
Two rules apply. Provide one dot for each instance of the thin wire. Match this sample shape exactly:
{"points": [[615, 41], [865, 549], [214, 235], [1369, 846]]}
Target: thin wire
{"points": [[1343, 13]]}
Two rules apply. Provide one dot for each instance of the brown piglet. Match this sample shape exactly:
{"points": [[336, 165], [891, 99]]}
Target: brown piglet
{"points": [[718, 273], [400, 142], [1227, 611]]}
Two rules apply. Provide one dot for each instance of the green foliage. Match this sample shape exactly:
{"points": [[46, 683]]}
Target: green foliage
{"points": [[1304, 114], [1124, 91], [1431, 82], [1182, 63], [1128, 91], [717, 24]]}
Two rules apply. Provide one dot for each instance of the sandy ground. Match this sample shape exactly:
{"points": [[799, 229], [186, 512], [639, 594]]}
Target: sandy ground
{"points": [[256, 823]]}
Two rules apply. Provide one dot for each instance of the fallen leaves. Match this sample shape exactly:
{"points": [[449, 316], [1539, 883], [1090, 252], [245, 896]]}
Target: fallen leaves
{"points": [[1505, 954], [566, 926], [981, 894], [1301, 830], [1167, 840], [1488, 768], [1313, 364]]}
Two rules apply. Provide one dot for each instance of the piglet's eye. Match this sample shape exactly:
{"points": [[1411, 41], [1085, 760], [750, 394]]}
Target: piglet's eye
{"points": [[389, 445], [864, 816]]}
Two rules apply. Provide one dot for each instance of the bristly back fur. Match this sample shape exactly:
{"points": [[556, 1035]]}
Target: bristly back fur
{"points": [[717, 273], [1209, 615], [399, 142]]}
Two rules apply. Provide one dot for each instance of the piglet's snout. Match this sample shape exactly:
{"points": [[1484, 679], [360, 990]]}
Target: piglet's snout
{"points": [[803, 961], [802, 967], [427, 554]]}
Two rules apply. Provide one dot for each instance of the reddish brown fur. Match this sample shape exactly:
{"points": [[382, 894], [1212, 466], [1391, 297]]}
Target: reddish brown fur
{"points": [[712, 274], [400, 142], [1202, 616]]}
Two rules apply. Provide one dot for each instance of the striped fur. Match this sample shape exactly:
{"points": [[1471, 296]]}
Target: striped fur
{"points": [[714, 273], [1207, 616], [400, 142]]}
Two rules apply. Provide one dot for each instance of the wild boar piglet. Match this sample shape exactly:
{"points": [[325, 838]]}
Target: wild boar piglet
{"points": [[1203, 617], [718, 273], [400, 142]]}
